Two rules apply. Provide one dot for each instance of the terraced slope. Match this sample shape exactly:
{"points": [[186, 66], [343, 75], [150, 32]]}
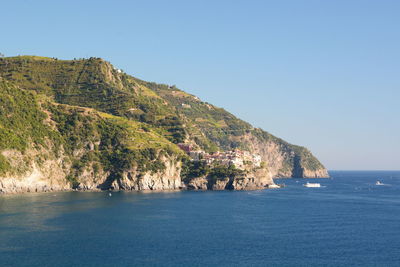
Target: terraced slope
{"points": [[94, 126]]}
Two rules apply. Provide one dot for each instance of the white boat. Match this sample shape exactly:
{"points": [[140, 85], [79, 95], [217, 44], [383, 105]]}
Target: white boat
{"points": [[273, 186], [379, 183], [312, 184]]}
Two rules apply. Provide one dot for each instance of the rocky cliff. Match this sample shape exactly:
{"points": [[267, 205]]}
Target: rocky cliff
{"points": [[258, 179], [84, 125], [282, 159], [51, 175]]}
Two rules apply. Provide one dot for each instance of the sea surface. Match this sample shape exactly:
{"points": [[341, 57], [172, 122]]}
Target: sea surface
{"points": [[349, 221]]}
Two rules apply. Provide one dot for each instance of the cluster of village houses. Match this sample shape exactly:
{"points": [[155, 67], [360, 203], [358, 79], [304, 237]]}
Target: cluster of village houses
{"points": [[240, 159]]}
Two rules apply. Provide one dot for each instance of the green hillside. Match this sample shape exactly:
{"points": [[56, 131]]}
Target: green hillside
{"points": [[92, 83], [70, 103], [31, 121]]}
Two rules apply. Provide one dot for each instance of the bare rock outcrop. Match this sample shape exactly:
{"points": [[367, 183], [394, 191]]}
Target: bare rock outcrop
{"points": [[53, 175], [167, 179], [258, 179], [198, 183], [281, 160]]}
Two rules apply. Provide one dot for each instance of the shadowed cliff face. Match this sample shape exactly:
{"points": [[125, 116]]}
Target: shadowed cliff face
{"points": [[85, 125], [282, 159]]}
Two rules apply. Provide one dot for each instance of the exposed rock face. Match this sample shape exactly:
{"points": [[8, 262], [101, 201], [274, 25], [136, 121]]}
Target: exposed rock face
{"points": [[51, 175], [220, 183], [320, 173], [258, 179], [168, 179], [198, 183], [48, 177], [32, 177], [282, 161], [34, 181], [255, 180], [90, 180]]}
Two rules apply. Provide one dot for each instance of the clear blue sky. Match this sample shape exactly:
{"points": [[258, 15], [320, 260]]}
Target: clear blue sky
{"points": [[322, 74]]}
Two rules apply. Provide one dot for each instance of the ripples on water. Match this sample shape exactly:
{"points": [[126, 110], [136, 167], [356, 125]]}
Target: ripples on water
{"points": [[349, 221]]}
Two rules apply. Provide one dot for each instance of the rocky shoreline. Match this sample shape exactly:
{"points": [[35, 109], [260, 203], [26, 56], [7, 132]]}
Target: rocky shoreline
{"points": [[168, 180], [219, 186], [51, 177], [109, 130]]}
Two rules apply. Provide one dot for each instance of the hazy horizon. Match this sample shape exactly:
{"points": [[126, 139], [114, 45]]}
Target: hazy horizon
{"points": [[323, 75]]}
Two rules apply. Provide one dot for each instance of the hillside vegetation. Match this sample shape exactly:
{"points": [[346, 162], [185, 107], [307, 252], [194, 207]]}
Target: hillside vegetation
{"points": [[84, 137], [98, 117]]}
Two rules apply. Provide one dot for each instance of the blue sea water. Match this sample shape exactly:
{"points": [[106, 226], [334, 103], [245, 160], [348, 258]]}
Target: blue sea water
{"points": [[348, 222]]}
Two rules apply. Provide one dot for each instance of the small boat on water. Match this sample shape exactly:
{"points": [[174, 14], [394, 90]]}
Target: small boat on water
{"points": [[274, 186], [312, 184], [379, 183]]}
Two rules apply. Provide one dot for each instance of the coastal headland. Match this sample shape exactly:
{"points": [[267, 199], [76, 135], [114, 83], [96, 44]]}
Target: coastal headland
{"points": [[83, 124]]}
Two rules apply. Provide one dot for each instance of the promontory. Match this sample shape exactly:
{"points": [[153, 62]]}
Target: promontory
{"points": [[83, 124]]}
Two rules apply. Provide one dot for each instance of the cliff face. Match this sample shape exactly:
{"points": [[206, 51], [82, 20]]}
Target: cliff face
{"points": [[282, 159], [258, 179], [84, 125], [51, 147], [167, 179], [214, 129], [52, 175], [48, 177]]}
